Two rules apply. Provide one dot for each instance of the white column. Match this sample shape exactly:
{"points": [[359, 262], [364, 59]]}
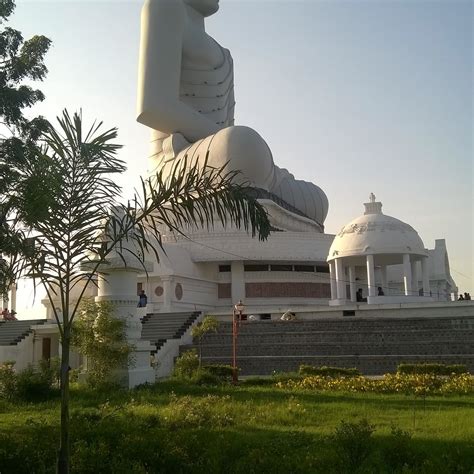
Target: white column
{"points": [[118, 287], [425, 276], [383, 273], [237, 281], [166, 293], [340, 280], [352, 289], [13, 297], [371, 275], [407, 280], [415, 277], [332, 274]]}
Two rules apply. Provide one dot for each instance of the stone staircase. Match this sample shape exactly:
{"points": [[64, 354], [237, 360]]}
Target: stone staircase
{"points": [[160, 327], [13, 332], [374, 346]]}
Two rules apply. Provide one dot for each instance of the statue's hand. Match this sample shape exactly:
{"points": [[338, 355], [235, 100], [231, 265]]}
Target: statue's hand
{"points": [[173, 144]]}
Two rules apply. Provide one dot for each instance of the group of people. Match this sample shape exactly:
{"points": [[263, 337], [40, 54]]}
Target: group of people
{"points": [[360, 298], [465, 297], [9, 315]]}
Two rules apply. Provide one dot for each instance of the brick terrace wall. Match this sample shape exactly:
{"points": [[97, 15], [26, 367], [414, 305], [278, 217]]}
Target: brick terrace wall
{"points": [[224, 291], [287, 289]]}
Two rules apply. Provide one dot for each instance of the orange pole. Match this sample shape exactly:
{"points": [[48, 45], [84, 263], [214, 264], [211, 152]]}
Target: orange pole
{"points": [[235, 377]]}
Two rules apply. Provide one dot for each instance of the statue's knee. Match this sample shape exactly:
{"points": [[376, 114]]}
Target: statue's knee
{"points": [[245, 150]]}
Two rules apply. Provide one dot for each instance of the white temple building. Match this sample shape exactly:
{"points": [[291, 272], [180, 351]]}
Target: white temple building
{"points": [[375, 241]]}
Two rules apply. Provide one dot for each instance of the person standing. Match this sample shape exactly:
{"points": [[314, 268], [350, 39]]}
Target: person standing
{"points": [[142, 299]]}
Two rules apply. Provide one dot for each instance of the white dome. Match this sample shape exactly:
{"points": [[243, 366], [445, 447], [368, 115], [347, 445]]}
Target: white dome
{"points": [[375, 233]]}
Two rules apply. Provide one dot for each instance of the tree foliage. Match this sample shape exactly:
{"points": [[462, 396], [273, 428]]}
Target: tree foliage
{"points": [[20, 61], [63, 215], [100, 337], [207, 325]]}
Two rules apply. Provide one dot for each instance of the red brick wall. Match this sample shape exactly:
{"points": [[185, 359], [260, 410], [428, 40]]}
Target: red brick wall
{"points": [[287, 289], [223, 290]]}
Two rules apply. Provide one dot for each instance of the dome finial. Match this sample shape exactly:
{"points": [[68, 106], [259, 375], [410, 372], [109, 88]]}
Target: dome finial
{"points": [[373, 207]]}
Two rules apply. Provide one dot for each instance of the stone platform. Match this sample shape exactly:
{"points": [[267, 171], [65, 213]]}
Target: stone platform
{"points": [[373, 345]]}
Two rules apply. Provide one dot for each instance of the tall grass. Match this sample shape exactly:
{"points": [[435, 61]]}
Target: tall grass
{"points": [[177, 427]]}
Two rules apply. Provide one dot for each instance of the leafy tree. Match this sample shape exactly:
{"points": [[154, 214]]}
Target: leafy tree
{"points": [[101, 338], [65, 217], [20, 61], [207, 325]]}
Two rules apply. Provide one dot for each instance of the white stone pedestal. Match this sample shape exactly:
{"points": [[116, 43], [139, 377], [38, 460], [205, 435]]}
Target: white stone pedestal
{"points": [[117, 285]]}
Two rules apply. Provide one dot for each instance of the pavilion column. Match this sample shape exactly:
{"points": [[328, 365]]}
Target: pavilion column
{"points": [[13, 297], [407, 274], [415, 278], [425, 277], [340, 280], [352, 283], [332, 273], [383, 273], [371, 274]]}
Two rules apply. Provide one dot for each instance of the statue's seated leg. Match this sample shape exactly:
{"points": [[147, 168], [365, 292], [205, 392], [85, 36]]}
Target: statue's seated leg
{"points": [[243, 149], [303, 195]]}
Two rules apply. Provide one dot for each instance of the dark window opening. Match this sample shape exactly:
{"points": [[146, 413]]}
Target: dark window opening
{"points": [[322, 268], [224, 268], [304, 268], [281, 268], [348, 312], [265, 317], [256, 268]]}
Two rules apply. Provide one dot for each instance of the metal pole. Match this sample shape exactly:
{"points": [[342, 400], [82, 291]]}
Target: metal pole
{"points": [[235, 378]]}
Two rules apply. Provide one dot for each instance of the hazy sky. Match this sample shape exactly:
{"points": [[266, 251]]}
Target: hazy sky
{"points": [[356, 96]]}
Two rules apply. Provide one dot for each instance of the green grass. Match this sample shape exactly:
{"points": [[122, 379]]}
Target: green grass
{"points": [[177, 427]]}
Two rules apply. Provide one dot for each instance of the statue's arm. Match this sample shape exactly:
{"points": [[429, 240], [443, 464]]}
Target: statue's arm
{"points": [[159, 106]]}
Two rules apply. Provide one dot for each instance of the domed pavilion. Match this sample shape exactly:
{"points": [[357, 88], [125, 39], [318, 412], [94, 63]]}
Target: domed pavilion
{"points": [[361, 253]]}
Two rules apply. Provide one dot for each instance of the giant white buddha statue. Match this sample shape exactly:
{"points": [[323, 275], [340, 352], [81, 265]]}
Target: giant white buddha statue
{"points": [[186, 96]]}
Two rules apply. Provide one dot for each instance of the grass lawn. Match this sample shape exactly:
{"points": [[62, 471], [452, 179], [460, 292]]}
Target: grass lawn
{"points": [[177, 427]]}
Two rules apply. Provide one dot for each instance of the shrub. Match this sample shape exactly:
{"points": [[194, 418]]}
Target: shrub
{"points": [[204, 377], [100, 337], [186, 365], [34, 383], [353, 442], [327, 371], [197, 412], [7, 381], [420, 384], [223, 373], [207, 325], [399, 451], [435, 369]]}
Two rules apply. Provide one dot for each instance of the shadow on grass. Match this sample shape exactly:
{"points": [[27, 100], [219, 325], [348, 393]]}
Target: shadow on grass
{"points": [[129, 444]]}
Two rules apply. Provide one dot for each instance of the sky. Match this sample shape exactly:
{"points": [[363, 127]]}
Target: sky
{"points": [[356, 96]]}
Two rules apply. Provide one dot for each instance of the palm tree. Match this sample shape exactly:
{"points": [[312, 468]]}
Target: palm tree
{"points": [[62, 214]]}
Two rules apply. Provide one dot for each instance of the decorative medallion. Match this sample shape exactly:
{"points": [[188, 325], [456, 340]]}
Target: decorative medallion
{"points": [[159, 291], [178, 291]]}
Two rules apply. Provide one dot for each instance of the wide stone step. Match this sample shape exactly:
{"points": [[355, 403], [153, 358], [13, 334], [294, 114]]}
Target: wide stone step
{"points": [[12, 332], [159, 327], [419, 348], [336, 336], [349, 325], [163, 324]]}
